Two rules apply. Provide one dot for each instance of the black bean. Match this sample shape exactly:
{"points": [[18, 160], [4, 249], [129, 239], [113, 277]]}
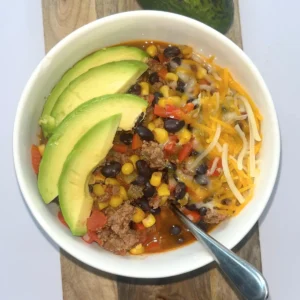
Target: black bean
{"points": [[175, 230], [203, 211], [180, 240], [157, 96], [171, 166], [153, 78], [149, 190], [140, 120], [173, 125], [180, 190], [135, 89], [143, 204], [201, 179], [180, 86], [143, 168], [202, 169], [145, 133], [177, 60], [140, 180], [111, 169], [155, 211], [203, 225], [126, 137], [192, 207], [171, 51]]}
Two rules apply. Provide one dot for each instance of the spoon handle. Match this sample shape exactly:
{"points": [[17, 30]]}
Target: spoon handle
{"points": [[247, 279]]}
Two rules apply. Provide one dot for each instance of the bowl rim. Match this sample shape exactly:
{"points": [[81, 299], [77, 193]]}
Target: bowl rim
{"points": [[53, 234]]}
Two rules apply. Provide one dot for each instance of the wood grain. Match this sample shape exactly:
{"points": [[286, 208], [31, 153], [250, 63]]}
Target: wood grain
{"points": [[81, 282]]}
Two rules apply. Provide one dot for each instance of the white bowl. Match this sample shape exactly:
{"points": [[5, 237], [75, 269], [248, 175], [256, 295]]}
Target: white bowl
{"points": [[115, 29]]}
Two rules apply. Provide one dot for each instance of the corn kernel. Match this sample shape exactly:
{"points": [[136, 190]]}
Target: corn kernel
{"points": [[41, 149], [163, 200], [161, 135], [163, 190], [149, 221], [171, 77], [138, 249], [127, 168], [99, 178], [134, 158], [173, 100], [187, 51], [165, 90], [145, 88], [102, 205], [115, 201], [184, 98], [184, 136], [151, 126], [98, 189], [123, 193], [156, 178], [152, 50], [138, 216], [111, 181], [201, 73]]}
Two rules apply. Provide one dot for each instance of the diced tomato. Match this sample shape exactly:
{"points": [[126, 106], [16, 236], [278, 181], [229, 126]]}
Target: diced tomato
{"points": [[218, 169], [162, 58], [96, 221], [162, 73], [194, 216], [139, 226], [185, 151], [120, 148], [87, 238], [153, 246], [35, 158], [170, 148], [136, 142], [62, 219], [93, 235], [160, 111], [173, 138], [188, 107], [150, 98]]}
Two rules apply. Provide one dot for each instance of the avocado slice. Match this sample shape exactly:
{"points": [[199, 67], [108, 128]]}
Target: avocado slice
{"points": [[111, 78], [95, 59], [74, 126], [74, 197]]}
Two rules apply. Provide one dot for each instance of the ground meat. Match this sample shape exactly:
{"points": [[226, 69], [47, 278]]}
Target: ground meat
{"points": [[122, 158], [111, 190], [103, 198], [135, 192], [117, 236], [153, 154], [213, 217], [115, 190], [154, 65], [157, 85], [154, 202]]}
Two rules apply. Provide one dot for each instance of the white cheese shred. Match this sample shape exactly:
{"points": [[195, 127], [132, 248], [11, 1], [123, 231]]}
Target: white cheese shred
{"points": [[214, 166], [218, 101], [251, 118], [251, 152], [242, 154], [209, 148], [228, 177], [219, 147]]}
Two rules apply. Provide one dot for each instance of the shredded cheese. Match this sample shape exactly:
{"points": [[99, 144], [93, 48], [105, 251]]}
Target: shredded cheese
{"points": [[251, 118], [209, 148], [219, 147], [214, 166], [244, 149], [251, 152], [217, 101], [228, 177]]}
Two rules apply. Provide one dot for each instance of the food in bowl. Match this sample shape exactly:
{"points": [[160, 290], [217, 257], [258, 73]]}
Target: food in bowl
{"points": [[132, 127]]}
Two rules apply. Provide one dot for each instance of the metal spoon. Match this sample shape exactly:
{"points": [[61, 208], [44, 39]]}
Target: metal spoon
{"points": [[247, 279]]}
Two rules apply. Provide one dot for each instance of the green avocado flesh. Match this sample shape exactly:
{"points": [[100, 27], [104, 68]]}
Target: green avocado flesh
{"points": [[215, 13], [98, 58], [74, 126], [111, 78], [74, 197]]}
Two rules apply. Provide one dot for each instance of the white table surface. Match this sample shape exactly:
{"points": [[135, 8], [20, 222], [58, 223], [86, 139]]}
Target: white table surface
{"points": [[29, 262]]}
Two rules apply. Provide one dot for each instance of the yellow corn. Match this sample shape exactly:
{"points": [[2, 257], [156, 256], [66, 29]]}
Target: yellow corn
{"points": [[111, 181], [187, 51], [102, 205], [184, 98], [149, 221], [163, 200], [163, 190], [98, 189], [201, 73], [41, 149], [134, 158], [115, 201], [165, 90], [184, 136], [123, 193], [127, 168], [138, 249], [138, 216], [99, 178], [161, 135], [145, 88], [152, 50], [171, 77], [173, 100], [151, 126], [156, 178]]}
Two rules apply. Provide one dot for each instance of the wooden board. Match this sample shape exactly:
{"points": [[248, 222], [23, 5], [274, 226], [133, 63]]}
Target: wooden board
{"points": [[81, 282]]}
